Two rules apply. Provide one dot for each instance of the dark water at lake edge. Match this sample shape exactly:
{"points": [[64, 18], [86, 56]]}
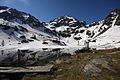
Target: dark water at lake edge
{"points": [[28, 57], [31, 58]]}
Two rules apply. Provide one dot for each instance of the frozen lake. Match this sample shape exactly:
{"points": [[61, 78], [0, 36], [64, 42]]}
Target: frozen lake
{"points": [[34, 56]]}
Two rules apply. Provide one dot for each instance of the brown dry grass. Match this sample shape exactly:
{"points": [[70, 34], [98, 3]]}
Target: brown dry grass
{"points": [[71, 67]]}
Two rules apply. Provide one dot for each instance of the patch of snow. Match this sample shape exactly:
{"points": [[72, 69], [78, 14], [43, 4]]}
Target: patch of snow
{"points": [[26, 16], [1, 11]]}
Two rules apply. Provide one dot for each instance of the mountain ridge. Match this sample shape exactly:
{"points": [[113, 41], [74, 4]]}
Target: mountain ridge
{"points": [[65, 30]]}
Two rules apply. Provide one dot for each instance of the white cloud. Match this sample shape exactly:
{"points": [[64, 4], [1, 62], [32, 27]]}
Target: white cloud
{"points": [[6, 2], [9, 2], [24, 1]]}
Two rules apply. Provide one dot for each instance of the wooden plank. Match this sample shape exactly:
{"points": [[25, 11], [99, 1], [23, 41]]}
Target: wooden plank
{"points": [[41, 69]]}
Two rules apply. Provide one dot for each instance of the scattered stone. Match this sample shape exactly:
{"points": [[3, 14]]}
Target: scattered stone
{"points": [[58, 61], [91, 68]]}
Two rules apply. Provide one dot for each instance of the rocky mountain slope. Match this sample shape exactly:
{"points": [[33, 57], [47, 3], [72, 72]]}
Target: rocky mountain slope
{"points": [[106, 33], [100, 35], [70, 30], [19, 28], [89, 65]]}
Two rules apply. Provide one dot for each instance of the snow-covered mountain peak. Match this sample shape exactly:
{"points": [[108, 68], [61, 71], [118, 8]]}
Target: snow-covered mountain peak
{"points": [[98, 28], [65, 25], [113, 16], [14, 15], [17, 28], [3, 7], [69, 30], [66, 21], [105, 34], [117, 11]]}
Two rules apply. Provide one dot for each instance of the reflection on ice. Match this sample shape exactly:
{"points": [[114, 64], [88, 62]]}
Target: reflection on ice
{"points": [[23, 57]]}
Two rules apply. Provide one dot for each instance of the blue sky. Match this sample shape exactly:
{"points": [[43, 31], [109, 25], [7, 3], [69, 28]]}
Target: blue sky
{"points": [[46, 10]]}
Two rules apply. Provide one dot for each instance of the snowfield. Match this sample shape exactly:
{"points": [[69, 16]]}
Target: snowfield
{"points": [[19, 30]]}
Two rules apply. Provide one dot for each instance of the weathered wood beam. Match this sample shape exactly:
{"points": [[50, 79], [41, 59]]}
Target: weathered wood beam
{"points": [[41, 69]]}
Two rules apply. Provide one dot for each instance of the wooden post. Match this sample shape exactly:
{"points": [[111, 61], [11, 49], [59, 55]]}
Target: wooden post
{"points": [[3, 43], [86, 45], [19, 57]]}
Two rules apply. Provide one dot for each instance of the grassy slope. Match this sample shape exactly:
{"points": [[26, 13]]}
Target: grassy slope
{"points": [[105, 67]]}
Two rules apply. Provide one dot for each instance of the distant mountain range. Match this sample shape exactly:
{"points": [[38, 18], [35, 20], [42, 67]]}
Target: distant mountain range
{"points": [[18, 29]]}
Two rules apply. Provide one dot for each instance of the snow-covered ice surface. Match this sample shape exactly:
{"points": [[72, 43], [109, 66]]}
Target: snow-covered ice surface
{"points": [[34, 52]]}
